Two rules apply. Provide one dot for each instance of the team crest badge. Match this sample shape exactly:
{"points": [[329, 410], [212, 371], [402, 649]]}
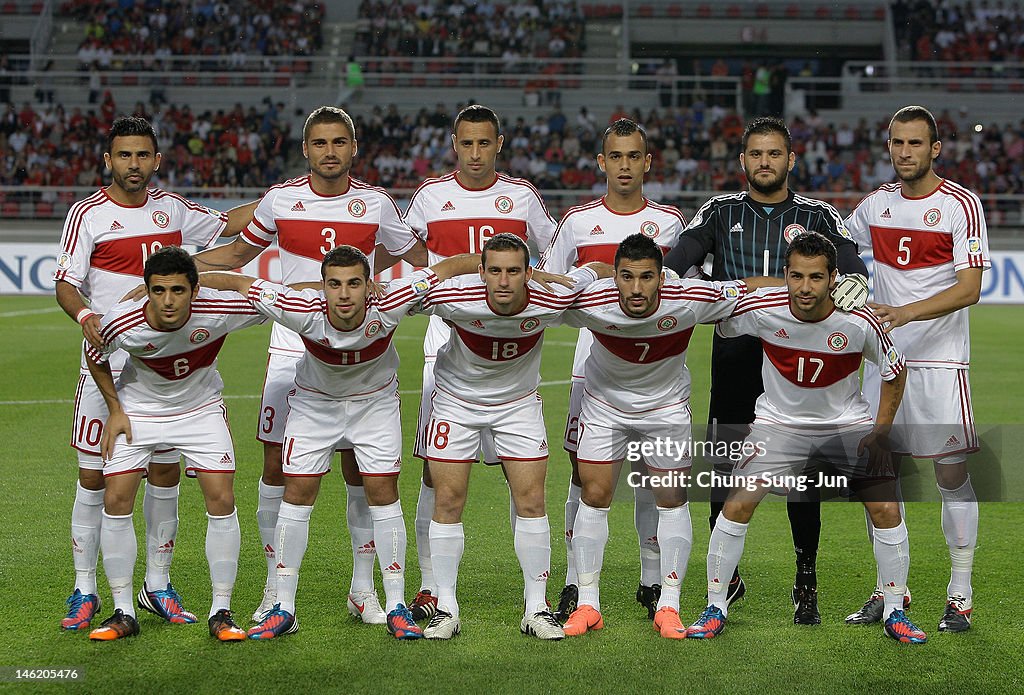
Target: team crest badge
{"points": [[667, 323], [268, 296], [973, 245], [356, 207], [837, 341], [792, 232], [199, 335], [932, 217], [373, 328], [650, 229], [893, 356], [529, 324], [503, 204], [64, 261], [161, 219]]}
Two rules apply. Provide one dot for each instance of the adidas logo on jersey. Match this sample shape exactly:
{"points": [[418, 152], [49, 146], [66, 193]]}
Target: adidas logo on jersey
{"points": [[886, 215], [149, 347], [736, 228], [543, 445], [477, 323], [324, 341], [596, 230], [116, 226], [611, 327], [226, 458], [298, 207], [448, 207], [953, 441], [781, 333]]}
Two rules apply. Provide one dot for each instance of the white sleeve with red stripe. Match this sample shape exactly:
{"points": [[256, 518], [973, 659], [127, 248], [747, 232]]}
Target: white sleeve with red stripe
{"points": [[540, 225], [393, 233], [262, 230], [744, 318], [77, 241], [299, 310], [970, 232], [710, 301], [560, 255], [879, 348], [200, 225]]}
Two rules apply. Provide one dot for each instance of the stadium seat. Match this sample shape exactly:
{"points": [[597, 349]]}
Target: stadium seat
{"points": [[880, 13], [675, 11], [645, 11], [823, 12], [733, 12], [852, 13], [792, 11], [10, 8], [12, 209], [44, 209], [763, 11], [129, 79]]}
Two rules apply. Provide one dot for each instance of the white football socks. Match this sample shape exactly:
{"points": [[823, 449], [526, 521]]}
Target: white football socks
{"points": [[532, 540], [223, 541], [447, 543], [892, 556], [424, 512], [160, 509], [645, 519], [360, 529], [120, 550], [270, 497], [590, 536], [572, 505], [724, 551], [960, 527], [675, 536], [86, 520], [292, 539], [389, 537]]}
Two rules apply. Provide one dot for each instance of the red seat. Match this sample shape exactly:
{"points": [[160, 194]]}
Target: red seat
{"points": [[792, 11], [675, 11], [733, 12], [823, 12], [645, 11], [44, 209], [852, 13], [763, 11], [704, 11], [129, 79], [12, 209]]}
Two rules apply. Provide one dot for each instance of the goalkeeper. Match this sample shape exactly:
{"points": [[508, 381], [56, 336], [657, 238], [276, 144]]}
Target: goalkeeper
{"points": [[748, 233]]}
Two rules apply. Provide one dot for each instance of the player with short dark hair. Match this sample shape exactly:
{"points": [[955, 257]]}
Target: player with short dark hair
{"points": [[458, 213], [168, 394], [307, 217], [929, 240], [106, 241], [747, 233], [811, 410], [593, 232], [636, 391]]}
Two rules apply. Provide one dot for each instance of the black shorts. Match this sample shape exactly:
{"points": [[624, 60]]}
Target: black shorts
{"points": [[735, 386]]}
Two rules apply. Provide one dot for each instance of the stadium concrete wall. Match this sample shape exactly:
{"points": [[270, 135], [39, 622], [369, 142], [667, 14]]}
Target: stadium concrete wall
{"points": [[27, 269]]}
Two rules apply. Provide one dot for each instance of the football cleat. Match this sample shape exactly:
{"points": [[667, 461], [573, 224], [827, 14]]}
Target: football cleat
{"points": [[269, 599], [275, 623], [542, 625], [223, 627], [710, 624], [401, 624], [667, 623], [365, 606], [899, 627], [423, 606], [957, 617], [166, 604], [736, 589], [871, 611], [442, 626], [648, 596], [119, 625], [81, 609], [583, 620], [568, 601], [805, 605]]}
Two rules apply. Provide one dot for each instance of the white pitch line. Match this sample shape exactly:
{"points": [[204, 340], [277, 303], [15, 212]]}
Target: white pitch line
{"points": [[243, 397], [29, 312]]}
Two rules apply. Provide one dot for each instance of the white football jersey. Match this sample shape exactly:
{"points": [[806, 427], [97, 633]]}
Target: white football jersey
{"points": [[337, 363], [493, 359], [307, 225], [919, 244], [170, 373], [105, 245], [593, 232], [639, 364], [811, 369], [453, 219]]}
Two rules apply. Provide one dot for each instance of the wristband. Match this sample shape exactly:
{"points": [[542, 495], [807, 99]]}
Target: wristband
{"points": [[84, 314]]}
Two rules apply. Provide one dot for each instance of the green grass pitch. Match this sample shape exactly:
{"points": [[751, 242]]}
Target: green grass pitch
{"points": [[760, 651]]}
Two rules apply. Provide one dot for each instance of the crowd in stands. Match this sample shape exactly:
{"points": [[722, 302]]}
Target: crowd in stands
{"points": [[694, 149], [51, 147], [230, 31], [942, 30], [511, 30]]}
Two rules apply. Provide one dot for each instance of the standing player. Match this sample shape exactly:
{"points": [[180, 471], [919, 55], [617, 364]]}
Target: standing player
{"points": [[930, 245], [308, 216], [637, 390], [748, 234], [168, 394], [457, 213], [592, 232], [107, 239], [345, 396], [812, 408], [485, 381]]}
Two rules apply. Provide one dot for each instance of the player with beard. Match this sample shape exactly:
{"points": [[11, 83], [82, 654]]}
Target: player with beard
{"points": [[748, 233], [930, 245]]}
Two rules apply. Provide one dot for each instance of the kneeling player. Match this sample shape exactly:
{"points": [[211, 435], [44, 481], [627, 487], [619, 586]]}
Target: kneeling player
{"points": [[345, 397], [168, 395], [637, 389], [812, 408]]}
